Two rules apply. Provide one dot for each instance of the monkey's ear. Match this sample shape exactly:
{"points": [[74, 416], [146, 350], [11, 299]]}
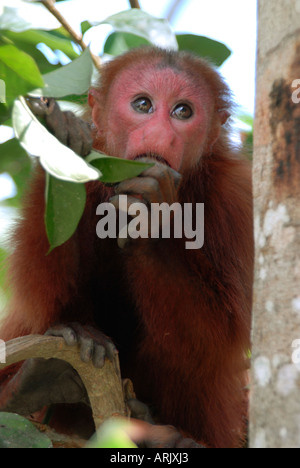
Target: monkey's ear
{"points": [[94, 100], [94, 95], [224, 115]]}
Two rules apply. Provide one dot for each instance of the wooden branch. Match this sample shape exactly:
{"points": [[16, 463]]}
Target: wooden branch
{"points": [[49, 4], [104, 386], [134, 4]]}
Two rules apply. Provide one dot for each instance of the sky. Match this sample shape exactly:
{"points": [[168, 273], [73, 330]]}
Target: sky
{"points": [[232, 22]]}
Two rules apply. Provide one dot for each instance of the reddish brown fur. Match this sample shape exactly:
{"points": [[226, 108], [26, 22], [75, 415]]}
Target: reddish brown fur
{"points": [[182, 317]]}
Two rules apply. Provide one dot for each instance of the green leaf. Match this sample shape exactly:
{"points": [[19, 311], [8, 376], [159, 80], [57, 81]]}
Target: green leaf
{"points": [[74, 78], [19, 72], [205, 47], [65, 202], [61, 32], [24, 15], [246, 119], [120, 42], [115, 170], [5, 113], [56, 158], [30, 49], [11, 151], [85, 26], [34, 37], [18, 432], [156, 31], [15, 161]]}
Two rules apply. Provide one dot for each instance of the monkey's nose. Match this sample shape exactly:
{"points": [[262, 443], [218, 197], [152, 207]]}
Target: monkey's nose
{"points": [[159, 134]]}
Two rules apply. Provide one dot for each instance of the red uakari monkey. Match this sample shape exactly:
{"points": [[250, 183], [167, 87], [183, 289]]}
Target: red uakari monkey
{"points": [[180, 318]]}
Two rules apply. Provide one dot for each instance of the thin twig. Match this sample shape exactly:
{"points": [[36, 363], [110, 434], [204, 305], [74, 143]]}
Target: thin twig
{"points": [[173, 9], [49, 4], [134, 4]]}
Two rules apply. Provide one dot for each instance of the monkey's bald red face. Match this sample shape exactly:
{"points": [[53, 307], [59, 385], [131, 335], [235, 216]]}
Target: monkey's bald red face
{"points": [[159, 112]]}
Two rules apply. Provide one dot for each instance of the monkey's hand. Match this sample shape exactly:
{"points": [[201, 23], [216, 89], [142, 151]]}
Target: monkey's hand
{"points": [[165, 437], [158, 185], [65, 126], [156, 436], [94, 345], [42, 382]]}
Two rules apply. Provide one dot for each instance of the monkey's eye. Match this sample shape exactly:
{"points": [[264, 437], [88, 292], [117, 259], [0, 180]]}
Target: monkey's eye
{"points": [[142, 105], [182, 112]]}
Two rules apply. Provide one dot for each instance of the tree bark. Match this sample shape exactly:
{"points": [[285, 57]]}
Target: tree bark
{"points": [[104, 386], [275, 387]]}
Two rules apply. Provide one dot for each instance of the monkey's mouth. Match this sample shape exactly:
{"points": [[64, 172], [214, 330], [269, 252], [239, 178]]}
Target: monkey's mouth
{"points": [[154, 156]]}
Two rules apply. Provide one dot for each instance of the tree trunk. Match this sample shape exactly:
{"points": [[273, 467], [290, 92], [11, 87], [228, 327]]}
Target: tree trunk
{"points": [[275, 386]]}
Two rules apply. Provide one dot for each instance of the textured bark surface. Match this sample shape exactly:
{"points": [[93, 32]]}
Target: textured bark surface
{"points": [[275, 389]]}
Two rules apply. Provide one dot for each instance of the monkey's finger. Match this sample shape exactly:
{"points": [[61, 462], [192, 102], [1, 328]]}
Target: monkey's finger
{"points": [[139, 410], [103, 348], [124, 205], [147, 187], [103, 351], [111, 350], [56, 122], [129, 233], [66, 127], [113, 355], [86, 348], [123, 242], [87, 138], [99, 356], [168, 179], [152, 171], [74, 139], [155, 171], [41, 107], [79, 139], [65, 332], [85, 341], [74, 334]]}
